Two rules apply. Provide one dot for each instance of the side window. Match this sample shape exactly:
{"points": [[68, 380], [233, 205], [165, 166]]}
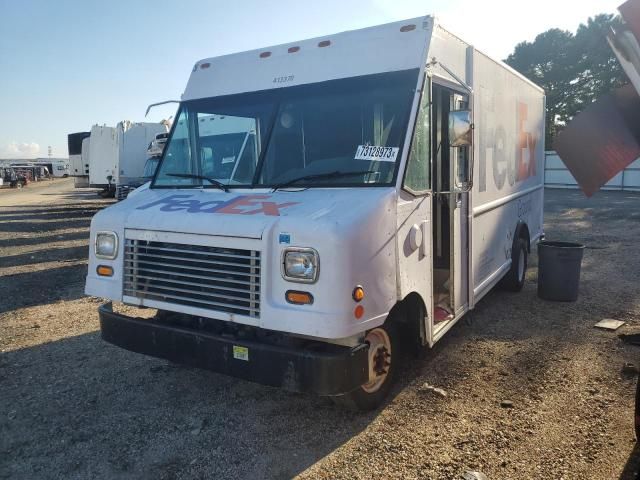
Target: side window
{"points": [[417, 177]]}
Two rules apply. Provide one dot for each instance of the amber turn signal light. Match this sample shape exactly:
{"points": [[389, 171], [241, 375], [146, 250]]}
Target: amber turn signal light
{"points": [[299, 298], [104, 271], [358, 293]]}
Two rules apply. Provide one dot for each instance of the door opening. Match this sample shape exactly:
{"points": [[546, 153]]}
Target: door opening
{"points": [[450, 230]]}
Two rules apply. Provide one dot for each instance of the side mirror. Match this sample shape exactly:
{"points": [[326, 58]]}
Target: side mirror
{"points": [[460, 128], [460, 136]]}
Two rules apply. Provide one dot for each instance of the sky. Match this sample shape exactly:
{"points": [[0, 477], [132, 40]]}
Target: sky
{"points": [[66, 65]]}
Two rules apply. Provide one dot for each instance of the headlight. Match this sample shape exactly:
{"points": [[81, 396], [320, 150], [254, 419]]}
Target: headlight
{"points": [[300, 265], [106, 245]]}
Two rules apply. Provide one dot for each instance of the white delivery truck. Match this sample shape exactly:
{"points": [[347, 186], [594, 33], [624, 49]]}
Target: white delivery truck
{"points": [[60, 167], [78, 167], [57, 167], [134, 171], [133, 154], [118, 154], [104, 149], [375, 186]]}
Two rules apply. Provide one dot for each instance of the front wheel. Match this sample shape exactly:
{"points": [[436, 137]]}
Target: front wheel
{"points": [[515, 277], [383, 360]]}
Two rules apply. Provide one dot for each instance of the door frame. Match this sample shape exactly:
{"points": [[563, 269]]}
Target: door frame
{"points": [[436, 332]]}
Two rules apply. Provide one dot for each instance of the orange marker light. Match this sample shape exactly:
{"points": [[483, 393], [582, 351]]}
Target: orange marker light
{"points": [[299, 298], [104, 271], [358, 312], [358, 293]]}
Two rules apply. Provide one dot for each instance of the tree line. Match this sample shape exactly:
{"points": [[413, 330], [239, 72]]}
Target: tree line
{"points": [[574, 69]]}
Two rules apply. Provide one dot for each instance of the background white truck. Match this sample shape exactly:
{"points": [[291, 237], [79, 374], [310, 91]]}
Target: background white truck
{"points": [[79, 164], [118, 154], [137, 176], [108, 156], [57, 167], [376, 184]]}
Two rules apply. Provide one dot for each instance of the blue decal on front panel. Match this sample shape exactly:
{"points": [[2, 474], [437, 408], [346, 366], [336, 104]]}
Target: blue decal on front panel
{"points": [[284, 238]]}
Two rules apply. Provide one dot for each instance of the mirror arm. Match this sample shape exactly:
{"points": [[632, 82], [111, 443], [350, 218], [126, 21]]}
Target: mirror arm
{"points": [[435, 62], [159, 103]]}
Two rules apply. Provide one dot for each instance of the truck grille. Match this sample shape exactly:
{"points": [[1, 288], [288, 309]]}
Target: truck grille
{"points": [[222, 279]]}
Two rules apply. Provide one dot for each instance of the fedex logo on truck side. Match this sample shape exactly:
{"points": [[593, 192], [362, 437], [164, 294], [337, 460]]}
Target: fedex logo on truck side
{"points": [[496, 155], [242, 205]]}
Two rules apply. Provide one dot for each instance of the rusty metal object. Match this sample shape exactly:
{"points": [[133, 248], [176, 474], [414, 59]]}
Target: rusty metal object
{"points": [[602, 140]]}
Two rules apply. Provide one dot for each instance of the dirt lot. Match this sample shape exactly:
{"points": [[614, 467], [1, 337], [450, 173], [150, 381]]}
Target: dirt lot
{"points": [[72, 406]]}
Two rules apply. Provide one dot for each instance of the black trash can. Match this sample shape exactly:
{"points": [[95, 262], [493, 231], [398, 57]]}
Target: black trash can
{"points": [[559, 270]]}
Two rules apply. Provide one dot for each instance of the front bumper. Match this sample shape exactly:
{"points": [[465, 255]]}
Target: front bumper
{"points": [[332, 371]]}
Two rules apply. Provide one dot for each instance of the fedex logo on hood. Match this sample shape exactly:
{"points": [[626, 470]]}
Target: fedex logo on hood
{"points": [[241, 205]]}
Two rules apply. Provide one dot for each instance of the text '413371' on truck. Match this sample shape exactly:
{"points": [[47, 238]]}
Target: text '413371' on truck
{"points": [[322, 205]]}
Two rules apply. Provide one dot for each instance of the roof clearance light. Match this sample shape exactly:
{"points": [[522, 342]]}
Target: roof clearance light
{"points": [[265, 54], [324, 43], [205, 65], [293, 49], [408, 28]]}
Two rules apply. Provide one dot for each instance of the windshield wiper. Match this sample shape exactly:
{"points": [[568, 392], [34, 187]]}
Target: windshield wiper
{"points": [[212, 181], [320, 176]]}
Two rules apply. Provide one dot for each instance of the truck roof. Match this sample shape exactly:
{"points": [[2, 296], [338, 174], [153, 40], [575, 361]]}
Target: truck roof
{"points": [[383, 48]]}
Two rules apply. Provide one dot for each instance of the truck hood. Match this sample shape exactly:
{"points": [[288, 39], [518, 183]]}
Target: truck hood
{"points": [[245, 213]]}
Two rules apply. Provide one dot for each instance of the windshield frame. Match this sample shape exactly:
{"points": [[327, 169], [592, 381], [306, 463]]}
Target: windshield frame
{"points": [[278, 96]]}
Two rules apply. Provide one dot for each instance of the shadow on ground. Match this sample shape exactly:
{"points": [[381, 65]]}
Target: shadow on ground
{"points": [[42, 287], [107, 413], [38, 240], [632, 468]]}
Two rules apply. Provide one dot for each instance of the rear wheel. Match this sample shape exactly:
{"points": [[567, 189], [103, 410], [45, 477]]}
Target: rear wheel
{"points": [[383, 359], [514, 279]]}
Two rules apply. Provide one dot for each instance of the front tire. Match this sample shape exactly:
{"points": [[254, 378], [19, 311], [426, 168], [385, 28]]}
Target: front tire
{"points": [[517, 274], [383, 363]]}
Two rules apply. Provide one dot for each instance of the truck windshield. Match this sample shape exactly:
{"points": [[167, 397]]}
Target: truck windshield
{"points": [[150, 167], [268, 138]]}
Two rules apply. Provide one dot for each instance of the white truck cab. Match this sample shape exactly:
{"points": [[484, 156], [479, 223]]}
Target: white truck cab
{"points": [[322, 203]]}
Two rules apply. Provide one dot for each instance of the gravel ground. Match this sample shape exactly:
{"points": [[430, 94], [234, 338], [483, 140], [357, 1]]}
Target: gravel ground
{"points": [[72, 406]]}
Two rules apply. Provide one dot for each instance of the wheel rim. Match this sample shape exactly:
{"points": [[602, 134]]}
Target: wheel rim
{"points": [[379, 359], [521, 266]]}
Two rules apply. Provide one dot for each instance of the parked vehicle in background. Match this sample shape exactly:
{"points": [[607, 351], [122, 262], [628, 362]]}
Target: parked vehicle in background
{"points": [[322, 206], [9, 177], [138, 140], [150, 167], [31, 172], [61, 170], [117, 154], [57, 167], [79, 165], [156, 146]]}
